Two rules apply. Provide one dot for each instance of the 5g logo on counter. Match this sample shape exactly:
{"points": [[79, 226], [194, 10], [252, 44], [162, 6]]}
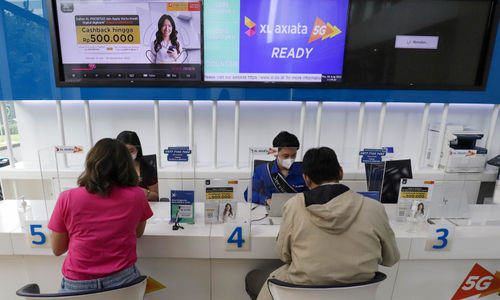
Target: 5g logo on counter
{"points": [[37, 234], [480, 282]]}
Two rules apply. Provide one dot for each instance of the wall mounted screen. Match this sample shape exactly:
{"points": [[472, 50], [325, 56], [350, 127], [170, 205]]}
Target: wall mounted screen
{"points": [[275, 40], [123, 41]]}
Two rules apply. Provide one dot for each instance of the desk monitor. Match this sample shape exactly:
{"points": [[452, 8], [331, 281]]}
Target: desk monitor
{"points": [[278, 200], [394, 171]]}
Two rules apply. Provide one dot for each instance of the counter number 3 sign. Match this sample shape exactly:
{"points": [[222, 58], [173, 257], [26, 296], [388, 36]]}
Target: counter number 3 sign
{"points": [[237, 236], [440, 237], [37, 234]]}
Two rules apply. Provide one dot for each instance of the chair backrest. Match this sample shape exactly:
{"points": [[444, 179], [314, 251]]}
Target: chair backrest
{"points": [[131, 291], [359, 291]]}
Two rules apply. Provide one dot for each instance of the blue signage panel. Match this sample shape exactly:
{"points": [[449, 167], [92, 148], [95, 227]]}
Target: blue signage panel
{"points": [[372, 156], [177, 153]]}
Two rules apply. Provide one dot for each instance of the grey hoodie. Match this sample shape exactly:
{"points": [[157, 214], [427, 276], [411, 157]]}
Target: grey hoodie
{"points": [[333, 235]]}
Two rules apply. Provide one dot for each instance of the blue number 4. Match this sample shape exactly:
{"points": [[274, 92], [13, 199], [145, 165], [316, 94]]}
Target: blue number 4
{"points": [[33, 233], [239, 239], [442, 238]]}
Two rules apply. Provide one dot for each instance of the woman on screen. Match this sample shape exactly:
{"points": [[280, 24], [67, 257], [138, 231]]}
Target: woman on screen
{"points": [[99, 222], [166, 48], [148, 176]]}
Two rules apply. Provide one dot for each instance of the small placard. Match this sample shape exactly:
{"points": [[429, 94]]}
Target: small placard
{"points": [[440, 237], [237, 236], [37, 234], [68, 149], [177, 153], [371, 156], [182, 206]]}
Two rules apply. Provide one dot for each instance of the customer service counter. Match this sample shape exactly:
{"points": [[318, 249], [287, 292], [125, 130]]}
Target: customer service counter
{"points": [[194, 264]]}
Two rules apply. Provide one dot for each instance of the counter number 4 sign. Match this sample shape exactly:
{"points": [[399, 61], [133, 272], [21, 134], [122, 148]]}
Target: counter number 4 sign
{"points": [[479, 282], [237, 236]]}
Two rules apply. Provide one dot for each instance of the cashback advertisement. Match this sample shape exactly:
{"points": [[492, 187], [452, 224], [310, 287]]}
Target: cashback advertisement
{"points": [[130, 40], [275, 41]]}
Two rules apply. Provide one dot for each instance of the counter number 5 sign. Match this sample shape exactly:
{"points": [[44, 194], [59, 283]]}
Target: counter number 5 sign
{"points": [[37, 234], [480, 282]]}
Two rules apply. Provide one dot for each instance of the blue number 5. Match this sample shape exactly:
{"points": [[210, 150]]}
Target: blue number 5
{"points": [[442, 238], [239, 239], [43, 239]]}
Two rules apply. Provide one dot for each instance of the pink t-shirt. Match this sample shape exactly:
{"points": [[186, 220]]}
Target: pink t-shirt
{"points": [[101, 230]]}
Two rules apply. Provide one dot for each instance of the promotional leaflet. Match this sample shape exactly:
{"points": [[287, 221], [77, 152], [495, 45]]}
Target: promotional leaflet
{"points": [[274, 41], [130, 40], [182, 206], [414, 199], [219, 204]]}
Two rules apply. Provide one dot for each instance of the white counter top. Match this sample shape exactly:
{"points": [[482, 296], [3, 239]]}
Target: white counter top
{"points": [[477, 241]]}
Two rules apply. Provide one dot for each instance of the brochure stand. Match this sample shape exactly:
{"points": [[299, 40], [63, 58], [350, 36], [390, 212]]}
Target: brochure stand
{"points": [[179, 161]]}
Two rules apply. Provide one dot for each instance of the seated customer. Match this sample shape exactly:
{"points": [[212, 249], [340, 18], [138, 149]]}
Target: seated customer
{"points": [[148, 176], [99, 222], [330, 234], [282, 175]]}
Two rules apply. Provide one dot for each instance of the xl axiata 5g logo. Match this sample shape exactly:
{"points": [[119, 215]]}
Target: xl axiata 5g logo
{"points": [[479, 282]]}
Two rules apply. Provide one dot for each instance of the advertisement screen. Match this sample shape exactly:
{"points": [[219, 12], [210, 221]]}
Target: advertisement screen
{"points": [[128, 41], [275, 40]]}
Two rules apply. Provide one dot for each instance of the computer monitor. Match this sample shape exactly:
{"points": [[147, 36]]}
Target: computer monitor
{"points": [[394, 171]]}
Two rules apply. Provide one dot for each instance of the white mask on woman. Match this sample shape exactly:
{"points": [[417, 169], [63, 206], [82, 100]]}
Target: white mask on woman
{"points": [[134, 156], [286, 163]]}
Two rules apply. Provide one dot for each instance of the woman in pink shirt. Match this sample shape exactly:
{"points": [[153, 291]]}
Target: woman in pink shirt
{"points": [[99, 222]]}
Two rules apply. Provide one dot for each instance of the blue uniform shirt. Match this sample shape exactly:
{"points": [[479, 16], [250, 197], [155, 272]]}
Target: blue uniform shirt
{"points": [[263, 187]]}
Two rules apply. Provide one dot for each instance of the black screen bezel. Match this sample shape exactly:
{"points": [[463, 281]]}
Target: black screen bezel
{"points": [[481, 77]]}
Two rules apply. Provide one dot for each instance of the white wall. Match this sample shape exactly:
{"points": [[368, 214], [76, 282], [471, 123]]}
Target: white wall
{"points": [[259, 123]]}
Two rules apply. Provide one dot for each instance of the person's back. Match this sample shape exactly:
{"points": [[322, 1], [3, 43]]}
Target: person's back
{"points": [[99, 222], [328, 235], [102, 230], [333, 235]]}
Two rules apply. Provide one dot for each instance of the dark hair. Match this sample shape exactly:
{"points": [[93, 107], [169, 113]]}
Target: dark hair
{"points": [[321, 165], [419, 206], [131, 138], [285, 139], [159, 34], [230, 209], [108, 163]]}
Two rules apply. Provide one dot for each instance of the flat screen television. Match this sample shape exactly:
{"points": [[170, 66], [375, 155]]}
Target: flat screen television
{"points": [[275, 41], [381, 44], [109, 42]]}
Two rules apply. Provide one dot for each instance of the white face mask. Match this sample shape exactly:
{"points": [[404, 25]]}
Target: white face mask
{"points": [[134, 156], [286, 163]]}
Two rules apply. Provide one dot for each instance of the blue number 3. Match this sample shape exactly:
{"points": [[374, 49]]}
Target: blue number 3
{"points": [[239, 239], [442, 238], [33, 233]]}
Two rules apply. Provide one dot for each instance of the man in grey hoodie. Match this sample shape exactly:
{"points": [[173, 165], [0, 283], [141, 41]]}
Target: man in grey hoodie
{"points": [[330, 234]]}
